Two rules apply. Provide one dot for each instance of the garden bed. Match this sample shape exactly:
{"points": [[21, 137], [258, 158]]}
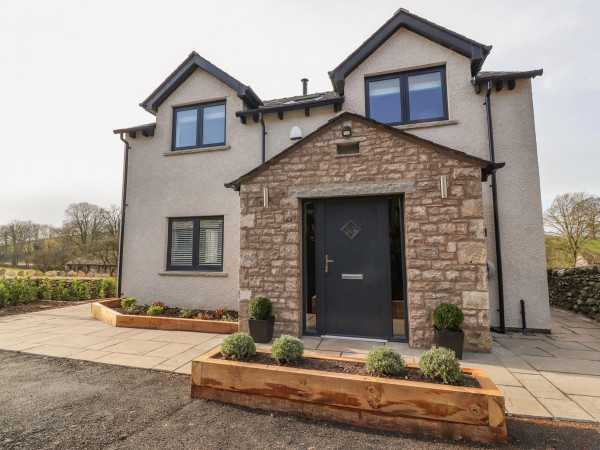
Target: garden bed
{"points": [[106, 312], [413, 407], [38, 305]]}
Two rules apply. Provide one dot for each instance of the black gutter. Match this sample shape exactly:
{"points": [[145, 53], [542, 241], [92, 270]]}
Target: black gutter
{"points": [[488, 107], [123, 205], [292, 106], [264, 137]]}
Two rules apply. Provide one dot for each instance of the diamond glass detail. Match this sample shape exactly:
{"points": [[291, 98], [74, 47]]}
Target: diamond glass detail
{"points": [[350, 229]]}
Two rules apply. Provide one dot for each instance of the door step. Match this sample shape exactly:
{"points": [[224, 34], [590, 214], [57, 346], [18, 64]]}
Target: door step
{"points": [[351, 338]]}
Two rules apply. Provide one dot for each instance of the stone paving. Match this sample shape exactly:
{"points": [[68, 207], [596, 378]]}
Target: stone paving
{"points": [[554, 376]]}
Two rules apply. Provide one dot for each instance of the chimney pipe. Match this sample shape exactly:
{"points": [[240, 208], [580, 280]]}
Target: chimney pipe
{"points": [[304, 86]]}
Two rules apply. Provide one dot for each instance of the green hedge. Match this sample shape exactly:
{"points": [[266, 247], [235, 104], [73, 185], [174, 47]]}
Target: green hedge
{"points": [[15, 291]]}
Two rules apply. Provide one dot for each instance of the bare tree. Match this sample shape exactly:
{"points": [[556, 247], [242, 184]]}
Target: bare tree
{"points": [[592, 212], [84, 221], [568, 217]]}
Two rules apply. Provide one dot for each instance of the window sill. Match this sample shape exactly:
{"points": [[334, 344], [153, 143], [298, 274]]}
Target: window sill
{"points": [[437, 123], [183, 273], [216, 148], [350, 155]]}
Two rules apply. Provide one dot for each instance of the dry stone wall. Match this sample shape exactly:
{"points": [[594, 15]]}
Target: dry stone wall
{"points": [[445, 248], [576, 290]]}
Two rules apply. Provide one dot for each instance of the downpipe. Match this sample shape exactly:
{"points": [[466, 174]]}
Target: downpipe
{"points": [[264, 137], [488, 106], [123, 207]]}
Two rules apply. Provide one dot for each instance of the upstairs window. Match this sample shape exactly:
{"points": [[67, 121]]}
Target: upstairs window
{"points": [[407, 97], [200, 125], [196, 243]]}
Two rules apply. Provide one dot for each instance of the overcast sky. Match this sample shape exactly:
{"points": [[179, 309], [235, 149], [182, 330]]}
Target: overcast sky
{"points": [[72, 71]]}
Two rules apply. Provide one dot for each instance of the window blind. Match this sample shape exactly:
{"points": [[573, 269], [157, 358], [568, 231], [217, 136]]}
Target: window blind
{"points": [[211, 242], [182, 242]]}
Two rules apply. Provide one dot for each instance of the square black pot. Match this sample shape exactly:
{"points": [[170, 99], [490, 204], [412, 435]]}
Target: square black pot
{"points": [[262, 330], [454, 340]]}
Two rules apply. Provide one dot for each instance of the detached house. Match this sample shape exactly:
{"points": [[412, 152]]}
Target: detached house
{"points": [[357, 211]]}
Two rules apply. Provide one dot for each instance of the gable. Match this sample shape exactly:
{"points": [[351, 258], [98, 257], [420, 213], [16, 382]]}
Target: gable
{"points": [[475, 51], [193, 62], [487, 167]]}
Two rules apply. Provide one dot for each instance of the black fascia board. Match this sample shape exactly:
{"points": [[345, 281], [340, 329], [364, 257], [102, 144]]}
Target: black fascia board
{"points": [[290, 107], [185, 69], [499, 76], [473, 50]]}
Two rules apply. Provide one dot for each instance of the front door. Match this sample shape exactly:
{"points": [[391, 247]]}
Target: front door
{"points": [[353, 267]]}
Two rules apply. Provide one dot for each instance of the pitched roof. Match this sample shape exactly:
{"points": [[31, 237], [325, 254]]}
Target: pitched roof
{"points": [[296, 102], [488, 167], [185, 69], [469, 48], [483, 77]]}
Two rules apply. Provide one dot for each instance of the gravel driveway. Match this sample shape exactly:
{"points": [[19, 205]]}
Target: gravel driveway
{"points": [[59, 403]]}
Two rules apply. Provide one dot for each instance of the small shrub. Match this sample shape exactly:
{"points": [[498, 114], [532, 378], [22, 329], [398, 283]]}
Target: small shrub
{"points": [[448, 317], [127, 303], [107, 288], [287, 350], [217, 314], [441, 364], [238, 346], [59, 292], [3, 293], [43, 291], [136, 310], [159, 304], [18, 291], [77, 291], [260, 308], [155, 311], [385, 361], [187, 313]]}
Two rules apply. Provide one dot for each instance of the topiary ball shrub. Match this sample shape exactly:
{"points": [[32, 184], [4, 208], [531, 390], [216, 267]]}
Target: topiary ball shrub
{"points": [[385, 361], [238, 346], [441, 364], [448, 317], [260, 308], [155, 311], [287, 350], [127, 303]]}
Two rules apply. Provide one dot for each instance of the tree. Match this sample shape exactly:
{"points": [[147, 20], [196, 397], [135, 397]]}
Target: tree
{"points": [[84, 221], [592, 212], [569, 216], [53, 256]]}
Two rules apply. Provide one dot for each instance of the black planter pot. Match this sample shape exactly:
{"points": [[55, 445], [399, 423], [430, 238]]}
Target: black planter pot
{"points": [[261, 330], [454, 340]]}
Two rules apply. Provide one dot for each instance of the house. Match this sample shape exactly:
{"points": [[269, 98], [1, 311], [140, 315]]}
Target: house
{"points": [[357, 211]]}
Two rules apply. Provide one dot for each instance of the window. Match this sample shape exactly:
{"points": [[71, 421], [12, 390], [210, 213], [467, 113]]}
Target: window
{"points": [[199, 125], [195, 243], [407, 97]]}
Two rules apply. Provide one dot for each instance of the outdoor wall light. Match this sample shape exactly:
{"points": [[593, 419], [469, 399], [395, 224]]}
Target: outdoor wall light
{"points": [[443, 186], [347, 131], [296, 133], [265, 197]]}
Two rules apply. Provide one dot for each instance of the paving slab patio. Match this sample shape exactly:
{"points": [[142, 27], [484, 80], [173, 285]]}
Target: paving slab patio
{"points": [[540, 375]]}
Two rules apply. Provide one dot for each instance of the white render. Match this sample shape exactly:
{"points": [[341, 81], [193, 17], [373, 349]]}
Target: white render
{"points": [[192, 184]]}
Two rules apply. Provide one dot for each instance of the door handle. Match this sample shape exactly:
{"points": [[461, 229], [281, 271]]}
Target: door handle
{"points": [[327, 261]]}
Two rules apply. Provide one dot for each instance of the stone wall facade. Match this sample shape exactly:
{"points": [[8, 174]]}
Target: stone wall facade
{"points": [[576, 290], [445, 247]]}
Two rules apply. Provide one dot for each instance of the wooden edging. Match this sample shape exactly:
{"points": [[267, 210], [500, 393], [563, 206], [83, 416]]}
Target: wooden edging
{"points": [[451, 412], [102, 310]]}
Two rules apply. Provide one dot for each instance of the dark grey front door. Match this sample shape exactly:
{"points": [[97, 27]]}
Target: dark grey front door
{"points": [[353, 274]]}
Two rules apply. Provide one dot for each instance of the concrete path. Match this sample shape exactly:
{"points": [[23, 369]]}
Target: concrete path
{"points": [[554, 376]]}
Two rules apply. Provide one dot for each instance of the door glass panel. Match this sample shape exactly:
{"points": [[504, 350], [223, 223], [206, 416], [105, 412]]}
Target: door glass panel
{"points": [[396, 264], [425, 96], [186, 125], [311, 283], [384, 101], [213, 125], [351, 230]]}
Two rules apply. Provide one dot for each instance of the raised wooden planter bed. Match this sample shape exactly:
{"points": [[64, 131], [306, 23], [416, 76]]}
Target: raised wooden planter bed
{"points": [[103, 311], [450, 412]]}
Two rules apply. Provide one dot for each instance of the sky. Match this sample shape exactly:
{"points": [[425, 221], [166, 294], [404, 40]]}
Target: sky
{"points": [[72, 71]]}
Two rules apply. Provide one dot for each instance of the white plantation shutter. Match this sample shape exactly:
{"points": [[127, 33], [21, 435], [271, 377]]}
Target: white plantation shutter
{"points": [[182, 242], [211, 243]]}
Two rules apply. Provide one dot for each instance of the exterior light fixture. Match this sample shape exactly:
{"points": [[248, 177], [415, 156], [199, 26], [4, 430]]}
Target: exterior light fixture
{"points": [[443, 186], [347, 131], [265, 197], [296, 133]]}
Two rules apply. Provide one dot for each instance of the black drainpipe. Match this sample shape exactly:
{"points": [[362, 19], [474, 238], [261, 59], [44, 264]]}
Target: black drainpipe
{"points": [[123, 206], [488, 107], [264, 136]]}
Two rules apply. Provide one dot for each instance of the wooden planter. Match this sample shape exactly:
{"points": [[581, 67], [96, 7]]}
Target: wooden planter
{"points": [[102, 311], [411, 407]]}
